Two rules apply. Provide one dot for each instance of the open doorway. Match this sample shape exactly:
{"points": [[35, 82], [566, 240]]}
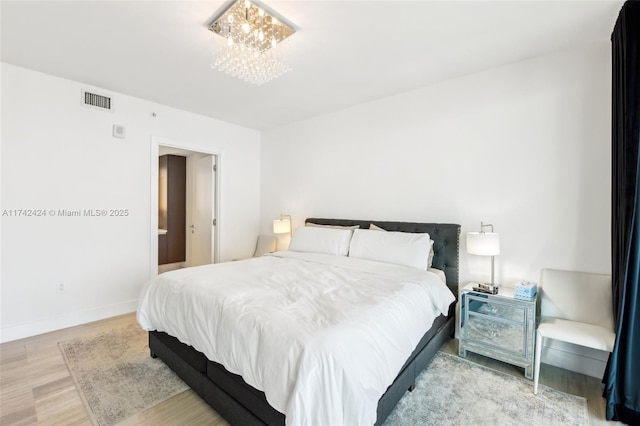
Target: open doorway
{"points": [[200, 199]]}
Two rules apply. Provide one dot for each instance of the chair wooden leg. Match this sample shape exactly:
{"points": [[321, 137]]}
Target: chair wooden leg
{"points": [[536, 362]]}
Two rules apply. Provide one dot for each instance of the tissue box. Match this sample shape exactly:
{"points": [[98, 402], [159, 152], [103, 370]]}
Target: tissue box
{"points": [[525, 290]]}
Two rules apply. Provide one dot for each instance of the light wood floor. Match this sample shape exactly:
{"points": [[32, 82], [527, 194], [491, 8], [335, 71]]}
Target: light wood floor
{"points": [[36, 386]]}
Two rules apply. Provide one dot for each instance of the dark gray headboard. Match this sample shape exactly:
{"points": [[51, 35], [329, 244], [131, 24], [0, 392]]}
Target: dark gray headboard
{"points": [[445, 236]]}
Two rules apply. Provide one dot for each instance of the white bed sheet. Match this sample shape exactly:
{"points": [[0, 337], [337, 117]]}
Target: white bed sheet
{"points": [[323, 336]]}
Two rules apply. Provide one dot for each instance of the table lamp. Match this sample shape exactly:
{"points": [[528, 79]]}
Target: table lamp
{"points": [[484, 244], [282, 226]]}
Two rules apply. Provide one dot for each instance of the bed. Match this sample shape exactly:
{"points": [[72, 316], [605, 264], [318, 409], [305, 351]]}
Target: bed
{"points": [[240, 403]]}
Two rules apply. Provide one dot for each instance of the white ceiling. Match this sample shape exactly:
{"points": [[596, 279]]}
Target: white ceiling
{"points": [[345, 52]]}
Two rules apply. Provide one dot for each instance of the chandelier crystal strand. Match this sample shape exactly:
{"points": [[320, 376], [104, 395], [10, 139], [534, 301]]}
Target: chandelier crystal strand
{"points": [[250, 46], [248, 64]]}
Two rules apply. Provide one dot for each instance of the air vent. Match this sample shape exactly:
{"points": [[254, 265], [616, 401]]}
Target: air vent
{"points": [[97, 101]]}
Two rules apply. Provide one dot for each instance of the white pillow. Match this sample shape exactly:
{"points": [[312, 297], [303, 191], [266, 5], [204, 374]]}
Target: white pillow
{"points": [[321, 240], [266, 244], [431, 252], [401, 248]]}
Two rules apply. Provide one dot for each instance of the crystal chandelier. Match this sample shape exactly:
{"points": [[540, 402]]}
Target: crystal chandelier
{"points": [[246, 48]]}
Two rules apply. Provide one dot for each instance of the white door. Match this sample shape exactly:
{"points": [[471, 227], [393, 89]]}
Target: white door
{"points": [[201, 227]]}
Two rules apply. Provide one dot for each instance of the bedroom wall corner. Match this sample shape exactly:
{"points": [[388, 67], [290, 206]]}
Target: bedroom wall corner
{"points": [[60, 157]]}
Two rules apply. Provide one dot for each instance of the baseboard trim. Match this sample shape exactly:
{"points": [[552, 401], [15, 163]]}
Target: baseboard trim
{"points": [[71, 319]]}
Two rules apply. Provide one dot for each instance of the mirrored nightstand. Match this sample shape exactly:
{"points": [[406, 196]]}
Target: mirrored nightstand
{"points": [[498, 326]]}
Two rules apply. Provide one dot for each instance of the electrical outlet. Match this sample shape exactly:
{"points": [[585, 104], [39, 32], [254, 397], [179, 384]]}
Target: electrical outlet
{"points": [[60, 287]]}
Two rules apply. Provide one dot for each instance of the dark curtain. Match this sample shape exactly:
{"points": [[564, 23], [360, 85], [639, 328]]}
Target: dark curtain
{"points": [[622, 378]]}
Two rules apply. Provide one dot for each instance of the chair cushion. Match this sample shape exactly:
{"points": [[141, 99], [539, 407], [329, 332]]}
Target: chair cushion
{"points": [[579, 333]]}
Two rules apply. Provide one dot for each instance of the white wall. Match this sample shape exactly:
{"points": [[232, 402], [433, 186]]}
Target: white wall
{"points": [[59, 154], [525, 147]]}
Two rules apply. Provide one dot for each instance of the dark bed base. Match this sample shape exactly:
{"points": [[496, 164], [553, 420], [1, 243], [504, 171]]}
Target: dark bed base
{"points": [[241, 404]]}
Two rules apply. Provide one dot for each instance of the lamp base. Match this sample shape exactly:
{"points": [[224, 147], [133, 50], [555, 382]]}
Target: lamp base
{"points": [[487, 288]]}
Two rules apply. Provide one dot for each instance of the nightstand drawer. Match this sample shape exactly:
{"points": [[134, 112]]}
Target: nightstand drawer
{"points": [[480, 306], [505, 336]]}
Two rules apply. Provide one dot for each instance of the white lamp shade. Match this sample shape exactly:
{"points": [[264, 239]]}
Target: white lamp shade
{"points": [[483, 243], [281, 226]]}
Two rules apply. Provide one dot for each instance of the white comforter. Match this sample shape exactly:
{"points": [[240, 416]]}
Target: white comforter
{"points": [[323, 336]]}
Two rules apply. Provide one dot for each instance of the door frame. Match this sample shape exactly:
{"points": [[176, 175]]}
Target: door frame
{"points": [[156, 142]]}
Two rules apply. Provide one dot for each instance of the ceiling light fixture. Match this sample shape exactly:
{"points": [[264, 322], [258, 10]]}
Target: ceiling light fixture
{"points": [[250, 48]]}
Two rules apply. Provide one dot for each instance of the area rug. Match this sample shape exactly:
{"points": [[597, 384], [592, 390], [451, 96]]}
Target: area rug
{"points": [[115, 375], [454, 391], [117, 379]]}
